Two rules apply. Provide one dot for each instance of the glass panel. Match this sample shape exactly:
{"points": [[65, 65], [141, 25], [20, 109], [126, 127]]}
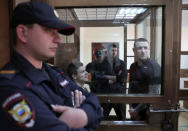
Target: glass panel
{"points": [[183, 81], [143, 29], [184, 30], [70, 39], [105, 26], [158, 37], [130, 31], [184, 1], [130, 60], [184, 62], [63, 38], [118, 28], [184, 47], [130, 45], [183, 116]]}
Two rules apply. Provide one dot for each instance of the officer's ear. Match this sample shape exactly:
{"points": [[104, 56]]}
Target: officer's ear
{"points": [[22, 33]]}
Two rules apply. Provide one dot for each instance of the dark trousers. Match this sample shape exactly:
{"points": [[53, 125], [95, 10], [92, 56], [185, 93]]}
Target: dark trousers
{"points": [[120, 110]]}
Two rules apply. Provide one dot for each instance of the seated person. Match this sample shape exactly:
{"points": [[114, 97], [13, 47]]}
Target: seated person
{"points": [[78, 74], [145, 77]]}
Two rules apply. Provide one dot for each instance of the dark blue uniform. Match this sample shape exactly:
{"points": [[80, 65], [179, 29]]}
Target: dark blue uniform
{"points": [[27, 93]]}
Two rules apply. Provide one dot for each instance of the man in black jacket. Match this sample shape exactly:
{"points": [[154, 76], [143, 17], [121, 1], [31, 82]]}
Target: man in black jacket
{"points": [[145, 77], [109, 79]]}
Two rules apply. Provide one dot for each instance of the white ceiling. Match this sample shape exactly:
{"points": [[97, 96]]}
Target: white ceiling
{"points": [[115, 14], [112, 13], [108, 13]]}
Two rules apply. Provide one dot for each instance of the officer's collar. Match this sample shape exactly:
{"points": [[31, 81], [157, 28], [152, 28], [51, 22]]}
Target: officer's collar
{"points": [[27, 68]]}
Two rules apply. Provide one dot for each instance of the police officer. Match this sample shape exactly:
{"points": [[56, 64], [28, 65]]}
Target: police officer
{"points": [[33, 95], [145, 77]]}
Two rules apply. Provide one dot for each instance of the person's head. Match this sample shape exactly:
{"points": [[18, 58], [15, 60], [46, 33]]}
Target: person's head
{"points": [[37, 27], [141, 49], [105, 51], [99, 55], [114, 51], [77, 72]]}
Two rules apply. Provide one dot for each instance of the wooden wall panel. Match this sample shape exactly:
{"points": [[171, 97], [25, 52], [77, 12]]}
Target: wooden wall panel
{"points": [[4, 33], [183, 73]]}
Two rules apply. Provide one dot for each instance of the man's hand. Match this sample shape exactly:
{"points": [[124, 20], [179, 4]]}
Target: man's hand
{"points": [[111, 79], [73, 117], [134, 114], [77, 98]]}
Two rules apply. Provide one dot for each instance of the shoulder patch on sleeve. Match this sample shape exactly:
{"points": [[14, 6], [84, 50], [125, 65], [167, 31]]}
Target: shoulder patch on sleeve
{"points": [[19, 111], [64, 83]]}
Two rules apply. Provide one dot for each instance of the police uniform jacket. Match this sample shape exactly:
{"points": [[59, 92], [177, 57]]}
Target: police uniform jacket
{"points": [[26, 94]]}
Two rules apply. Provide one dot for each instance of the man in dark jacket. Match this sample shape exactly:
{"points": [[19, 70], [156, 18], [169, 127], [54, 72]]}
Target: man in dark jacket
{"points": [[33, 95], [109, 80], [145, 77]]}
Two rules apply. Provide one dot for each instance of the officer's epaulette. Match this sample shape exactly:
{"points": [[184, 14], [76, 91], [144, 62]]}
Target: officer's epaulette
{"points": [[55, 68], [50, 64], [7, 73]]}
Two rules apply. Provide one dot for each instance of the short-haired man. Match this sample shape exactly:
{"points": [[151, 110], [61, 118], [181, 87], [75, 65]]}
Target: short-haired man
{"points": [[145, 77], [98, 69], [78, 73], [109, 79], [118, 68], [33, 95]]}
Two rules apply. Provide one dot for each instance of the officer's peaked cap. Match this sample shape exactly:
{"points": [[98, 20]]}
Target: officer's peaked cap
{"points": [[41, 13]]}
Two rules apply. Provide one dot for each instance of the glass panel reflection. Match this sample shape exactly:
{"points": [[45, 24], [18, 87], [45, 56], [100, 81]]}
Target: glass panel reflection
{"points": [[184, 30], [123, 44], [184, 62], [184, 49], [130, 45], [184, 2]]}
